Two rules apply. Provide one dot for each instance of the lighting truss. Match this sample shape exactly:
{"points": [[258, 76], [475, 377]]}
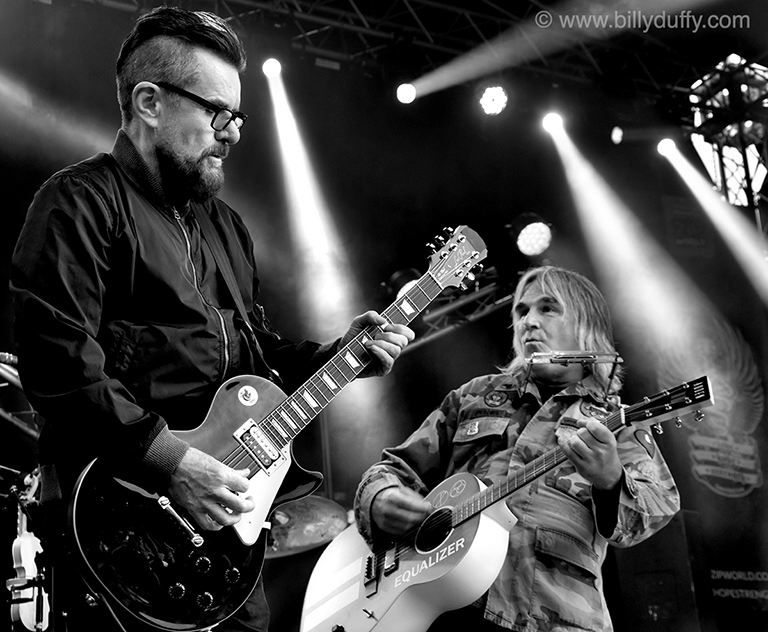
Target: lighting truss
{"points": [[455, 309], [730, 108]]}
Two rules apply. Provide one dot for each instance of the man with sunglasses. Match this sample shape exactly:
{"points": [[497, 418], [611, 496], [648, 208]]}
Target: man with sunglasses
{"points": [[126, 324]]}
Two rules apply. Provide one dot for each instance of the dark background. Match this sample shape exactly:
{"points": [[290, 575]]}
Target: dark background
{"points": [[393, 176]]}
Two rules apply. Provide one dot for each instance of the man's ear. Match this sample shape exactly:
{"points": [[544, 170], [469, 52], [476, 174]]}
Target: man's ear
{"points": [[146, 103]]}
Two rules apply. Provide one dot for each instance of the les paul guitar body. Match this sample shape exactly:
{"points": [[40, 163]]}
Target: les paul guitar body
{"points": [[154, 562], [148, 560]]}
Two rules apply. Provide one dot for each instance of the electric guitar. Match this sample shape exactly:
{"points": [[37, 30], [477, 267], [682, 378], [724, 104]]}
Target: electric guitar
{"points": [[455, 555], [149, 561]]}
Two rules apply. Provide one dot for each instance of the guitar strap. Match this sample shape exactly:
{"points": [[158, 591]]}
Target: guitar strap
{"points": [[222, 261]]}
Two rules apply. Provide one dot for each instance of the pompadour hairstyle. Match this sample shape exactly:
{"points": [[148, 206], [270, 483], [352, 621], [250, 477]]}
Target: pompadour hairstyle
{"points": [[160, 48]]}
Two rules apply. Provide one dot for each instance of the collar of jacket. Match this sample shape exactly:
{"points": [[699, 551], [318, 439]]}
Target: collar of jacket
{"points": [[137, 171], [586, 388]]}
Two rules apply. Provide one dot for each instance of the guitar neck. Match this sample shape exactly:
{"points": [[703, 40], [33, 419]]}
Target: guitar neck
{"points": [[521, 477], [689, 397], [285, 422]]}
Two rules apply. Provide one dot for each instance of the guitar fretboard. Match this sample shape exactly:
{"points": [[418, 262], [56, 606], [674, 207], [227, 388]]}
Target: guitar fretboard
{"points": [[521, 477], [291, 416]]}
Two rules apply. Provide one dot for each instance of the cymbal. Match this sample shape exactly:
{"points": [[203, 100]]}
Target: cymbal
{"points": [[304, 524]]}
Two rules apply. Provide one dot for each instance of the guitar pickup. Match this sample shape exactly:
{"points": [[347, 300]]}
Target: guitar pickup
{"points": [[258, 444], [391, 561]]}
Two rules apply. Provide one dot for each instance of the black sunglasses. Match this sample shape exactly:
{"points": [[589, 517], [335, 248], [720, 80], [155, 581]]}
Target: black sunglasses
{"points": [[221, 116]]}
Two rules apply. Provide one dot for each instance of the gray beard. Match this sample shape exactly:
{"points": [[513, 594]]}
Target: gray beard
{"points": [[188, 179]]}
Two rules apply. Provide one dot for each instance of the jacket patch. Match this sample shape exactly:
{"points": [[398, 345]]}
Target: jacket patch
{"points": [[644, 439], [495, 399], [569, 422]]}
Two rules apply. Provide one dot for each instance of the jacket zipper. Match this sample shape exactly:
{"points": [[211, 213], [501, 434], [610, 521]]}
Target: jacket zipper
{"points": [[222, 322]]}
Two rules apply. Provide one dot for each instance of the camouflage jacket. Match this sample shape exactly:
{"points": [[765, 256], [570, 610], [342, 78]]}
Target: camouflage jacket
{"points": [[551, 580]]}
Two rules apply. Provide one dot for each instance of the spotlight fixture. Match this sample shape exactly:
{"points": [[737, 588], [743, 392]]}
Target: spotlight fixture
{"points": [[552, 122], [531, 233], [271, 67], [644, 133], [406, 93], [494, 100], [666, 146], [534, 239]]}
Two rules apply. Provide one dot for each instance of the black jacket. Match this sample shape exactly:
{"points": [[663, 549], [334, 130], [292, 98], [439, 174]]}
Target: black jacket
{"points": [[124, 324]]}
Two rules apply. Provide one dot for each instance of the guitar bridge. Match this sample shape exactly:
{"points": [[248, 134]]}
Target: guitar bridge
{"points": [[370, 576]]}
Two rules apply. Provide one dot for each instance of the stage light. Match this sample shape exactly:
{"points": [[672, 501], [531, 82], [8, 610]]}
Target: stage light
{"points": [[729, 132], [534, 239], [406, 93], [746, 244], [493, 100], [271, 67], [666, 146], [552, 122], [75, 133], [531, 233], [645, 133]]}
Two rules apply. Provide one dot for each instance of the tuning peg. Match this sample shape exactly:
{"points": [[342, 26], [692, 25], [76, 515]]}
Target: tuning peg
{"points": [[431, 247], [470, 276], [658, 429], [698, 416], [448, 232]]}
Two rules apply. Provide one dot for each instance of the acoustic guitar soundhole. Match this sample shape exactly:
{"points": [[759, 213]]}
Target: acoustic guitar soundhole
{"points": [[434, 530]]}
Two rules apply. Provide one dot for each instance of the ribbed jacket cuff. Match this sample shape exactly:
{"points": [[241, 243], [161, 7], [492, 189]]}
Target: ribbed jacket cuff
{"points": [[165, 453]]}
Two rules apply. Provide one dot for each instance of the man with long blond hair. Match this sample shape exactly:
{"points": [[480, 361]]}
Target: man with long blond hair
{"points": [[612, 489]]}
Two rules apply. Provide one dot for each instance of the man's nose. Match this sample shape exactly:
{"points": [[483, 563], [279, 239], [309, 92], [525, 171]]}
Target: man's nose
{"points": [[530, 321], [230, 134]]}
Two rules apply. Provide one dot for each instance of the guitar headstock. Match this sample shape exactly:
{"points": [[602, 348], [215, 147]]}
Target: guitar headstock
{"points": [[674, 403], [455, 253]]}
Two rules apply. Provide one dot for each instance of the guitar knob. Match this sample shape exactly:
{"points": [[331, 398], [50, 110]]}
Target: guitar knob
{"points": [[337, 628], [232, 575], [204, 600], [203, 564], [177, 591]]}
